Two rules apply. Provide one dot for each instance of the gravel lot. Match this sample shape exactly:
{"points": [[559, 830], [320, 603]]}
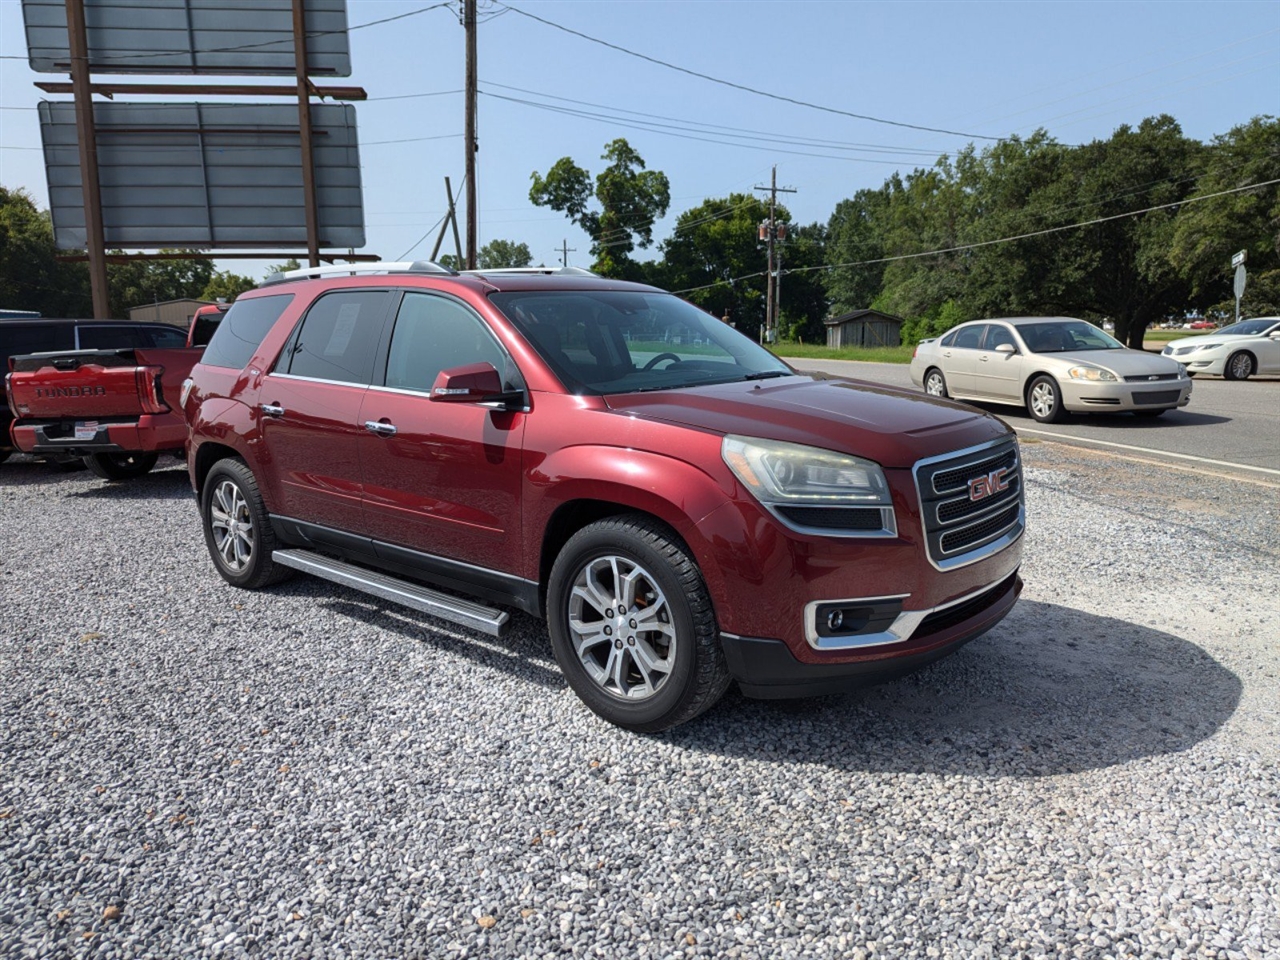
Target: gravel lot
{"points": [[189, 770]]}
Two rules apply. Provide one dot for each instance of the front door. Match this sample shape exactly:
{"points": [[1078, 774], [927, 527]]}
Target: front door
{"points": [[309, 408], [960, 359], [442, 478], [998, 376]]}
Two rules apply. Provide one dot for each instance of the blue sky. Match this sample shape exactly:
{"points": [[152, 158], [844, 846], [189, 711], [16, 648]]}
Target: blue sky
{"points": [[993, 69]]}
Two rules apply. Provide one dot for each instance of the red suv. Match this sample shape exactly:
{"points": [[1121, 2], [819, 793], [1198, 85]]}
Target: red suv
{"points": [[684, 509]]}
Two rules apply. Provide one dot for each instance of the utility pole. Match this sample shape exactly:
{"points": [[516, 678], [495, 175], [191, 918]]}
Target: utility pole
{"points": [[769, 232], [469, 24], [304, 133], [95, 244], [565, 250]]}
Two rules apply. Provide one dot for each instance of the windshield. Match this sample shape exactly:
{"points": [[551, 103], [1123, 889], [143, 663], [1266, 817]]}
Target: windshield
{"points": [[1065, 336], [1250, 327], [613, 341]]}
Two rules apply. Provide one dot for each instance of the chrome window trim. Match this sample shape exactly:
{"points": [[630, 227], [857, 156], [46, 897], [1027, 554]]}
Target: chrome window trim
{"points": [[888, 520], [899, 631], [426, 395], [336, 383], [987, 549]]}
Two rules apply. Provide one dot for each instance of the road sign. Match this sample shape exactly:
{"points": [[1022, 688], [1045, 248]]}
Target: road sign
{"points": [[1239, 258], [1240, 278]]}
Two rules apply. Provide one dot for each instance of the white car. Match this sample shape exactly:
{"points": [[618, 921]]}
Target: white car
{"points": [[1050, 365], [1236, 352]]}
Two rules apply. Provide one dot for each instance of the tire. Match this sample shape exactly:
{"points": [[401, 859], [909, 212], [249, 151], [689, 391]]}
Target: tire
{"points": [[237, 530], [5, 455], [120, 466], [1239, 366], [1150, 414], [1190, 375], [1044, 400], [935, 384], [661, 676]]}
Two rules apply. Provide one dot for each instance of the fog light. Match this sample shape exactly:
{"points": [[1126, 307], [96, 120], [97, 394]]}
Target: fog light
{"points": [[835, 620]]}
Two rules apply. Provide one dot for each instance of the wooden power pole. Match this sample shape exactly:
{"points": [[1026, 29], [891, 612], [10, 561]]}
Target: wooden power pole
{"points": [[771, 237], [469, 24]]}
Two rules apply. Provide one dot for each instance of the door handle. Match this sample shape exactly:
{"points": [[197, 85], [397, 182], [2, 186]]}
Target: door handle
{"points": [[983, 359], [381, 429], [273, 410]]}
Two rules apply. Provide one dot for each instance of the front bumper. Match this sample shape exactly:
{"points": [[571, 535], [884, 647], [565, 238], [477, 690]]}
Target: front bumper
{"points": [[148, 433], [767, 669], [1086, 396]]}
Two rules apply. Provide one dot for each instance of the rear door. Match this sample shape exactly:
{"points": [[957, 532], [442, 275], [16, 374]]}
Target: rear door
{"points": [[441, 478], [309, 409]]}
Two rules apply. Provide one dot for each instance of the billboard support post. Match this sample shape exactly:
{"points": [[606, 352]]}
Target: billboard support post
{"points": [[304, 130], [95, 245]]}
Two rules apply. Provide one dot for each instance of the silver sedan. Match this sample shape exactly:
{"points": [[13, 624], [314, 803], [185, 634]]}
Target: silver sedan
{"points": [[1050, 365]]}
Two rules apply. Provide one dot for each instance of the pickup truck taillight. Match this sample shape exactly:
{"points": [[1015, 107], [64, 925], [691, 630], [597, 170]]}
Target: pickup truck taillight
{"points": [[149, 390], [8, 394]]}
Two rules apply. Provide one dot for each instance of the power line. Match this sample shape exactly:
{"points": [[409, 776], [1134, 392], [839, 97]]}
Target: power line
{"points": [[746, 89], [987, 243]]}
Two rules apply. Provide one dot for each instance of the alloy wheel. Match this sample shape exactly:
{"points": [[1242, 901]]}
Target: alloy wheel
{"points": [[1043, 398], [232, 526]]}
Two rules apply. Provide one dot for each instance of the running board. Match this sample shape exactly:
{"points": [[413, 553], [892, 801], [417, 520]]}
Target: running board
{"points": [[406, 593]]}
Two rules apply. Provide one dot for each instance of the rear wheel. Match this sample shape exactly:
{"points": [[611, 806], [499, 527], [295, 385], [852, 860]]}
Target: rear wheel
{"points": [[237, 529], [935, 384], [120, 466], [1239, 366], [632, 626], [1044, 400]]}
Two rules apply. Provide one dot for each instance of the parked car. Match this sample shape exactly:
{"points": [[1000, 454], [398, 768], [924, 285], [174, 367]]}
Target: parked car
{"points": [[19, 337], [1202, 325], [684, 508], [1235, 352], [1050, 365]]}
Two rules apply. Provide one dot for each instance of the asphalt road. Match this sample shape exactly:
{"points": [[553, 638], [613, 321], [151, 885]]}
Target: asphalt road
{"points": [[1232, 427]]}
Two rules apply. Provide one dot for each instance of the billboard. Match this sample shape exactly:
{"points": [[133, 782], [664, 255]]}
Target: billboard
{"points": [[206, 175], [205, 37]]}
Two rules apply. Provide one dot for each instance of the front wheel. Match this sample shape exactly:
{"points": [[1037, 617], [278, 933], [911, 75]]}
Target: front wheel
{"points": [[1044, 400], [632, 626], [935, 384], [236, 527], [1239, 366], [120, 466]]}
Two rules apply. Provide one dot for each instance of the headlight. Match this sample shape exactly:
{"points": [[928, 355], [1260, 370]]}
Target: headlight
{"points": [[1091, 373], [777, 472]]}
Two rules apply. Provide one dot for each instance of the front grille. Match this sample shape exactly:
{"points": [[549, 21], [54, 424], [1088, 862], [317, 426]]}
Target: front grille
{"points": [[971, 501], [1152, 377], [949, 617], [1156, 396], [835, 518]]}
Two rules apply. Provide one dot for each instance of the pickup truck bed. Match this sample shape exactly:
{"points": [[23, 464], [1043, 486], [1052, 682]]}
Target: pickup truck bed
{"points": [[118, 409]]}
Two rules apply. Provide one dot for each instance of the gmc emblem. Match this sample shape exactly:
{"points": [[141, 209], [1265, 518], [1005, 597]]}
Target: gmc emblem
{"points": [[994, 482]]}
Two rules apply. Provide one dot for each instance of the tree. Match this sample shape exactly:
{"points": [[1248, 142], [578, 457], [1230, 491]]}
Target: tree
{"points": [[290, 264], [503, 253], [30, 276], [630, 200], [1208, 233], [138, 282], [225, 285], [855, 234]]}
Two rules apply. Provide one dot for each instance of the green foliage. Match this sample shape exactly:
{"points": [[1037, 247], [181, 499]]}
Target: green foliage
{"points": [[503, 253], [139, 282], [30, 277], [225, 285], [630, 200], [290, 264]]}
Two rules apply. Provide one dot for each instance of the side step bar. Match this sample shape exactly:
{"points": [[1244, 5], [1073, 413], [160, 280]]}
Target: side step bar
{"points": [[404, 592]]}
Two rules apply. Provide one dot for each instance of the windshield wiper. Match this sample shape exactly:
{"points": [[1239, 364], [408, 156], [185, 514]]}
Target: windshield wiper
{"points": [[768, 375]]}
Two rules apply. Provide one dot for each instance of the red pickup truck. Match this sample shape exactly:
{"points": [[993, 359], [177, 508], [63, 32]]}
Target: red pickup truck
{"points": [[115, 408]]}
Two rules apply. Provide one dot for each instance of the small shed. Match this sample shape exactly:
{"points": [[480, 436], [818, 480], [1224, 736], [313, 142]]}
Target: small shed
{"points": [[864, 328], [177, 313]]}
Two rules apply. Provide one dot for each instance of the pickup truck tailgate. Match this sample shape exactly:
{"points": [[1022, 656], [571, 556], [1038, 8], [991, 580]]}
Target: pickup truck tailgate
{"points": [[80, 384]]}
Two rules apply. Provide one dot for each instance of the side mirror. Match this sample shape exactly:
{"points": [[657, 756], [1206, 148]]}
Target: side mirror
{"points": [[474, 383], [1274, 335], [1006, 348]]}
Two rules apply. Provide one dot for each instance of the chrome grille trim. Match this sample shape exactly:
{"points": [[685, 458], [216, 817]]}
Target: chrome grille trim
{"points": [[958, 468]]}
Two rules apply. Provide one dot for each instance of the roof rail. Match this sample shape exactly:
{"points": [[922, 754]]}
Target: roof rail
{"points": [[545, 271], [360, 269]]}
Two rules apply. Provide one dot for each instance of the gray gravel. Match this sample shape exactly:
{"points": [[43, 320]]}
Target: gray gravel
{"points": [[190, 770]]}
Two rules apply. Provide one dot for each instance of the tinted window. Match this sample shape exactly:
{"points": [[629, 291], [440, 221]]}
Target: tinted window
{"points": [[338, 338], [18, 340], [434, 334], [110, 338], [165, 337], [243, 329], [950, 339], [998, 334], [969, 337]]}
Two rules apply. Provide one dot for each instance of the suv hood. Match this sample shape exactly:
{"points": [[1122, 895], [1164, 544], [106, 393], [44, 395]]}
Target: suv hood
{"points": [[895, 428]]}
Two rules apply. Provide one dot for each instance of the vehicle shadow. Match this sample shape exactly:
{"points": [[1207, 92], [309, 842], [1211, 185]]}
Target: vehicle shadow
{"points": [[1016, 416], [163, 483], [1050, 690], [525, 652]]}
